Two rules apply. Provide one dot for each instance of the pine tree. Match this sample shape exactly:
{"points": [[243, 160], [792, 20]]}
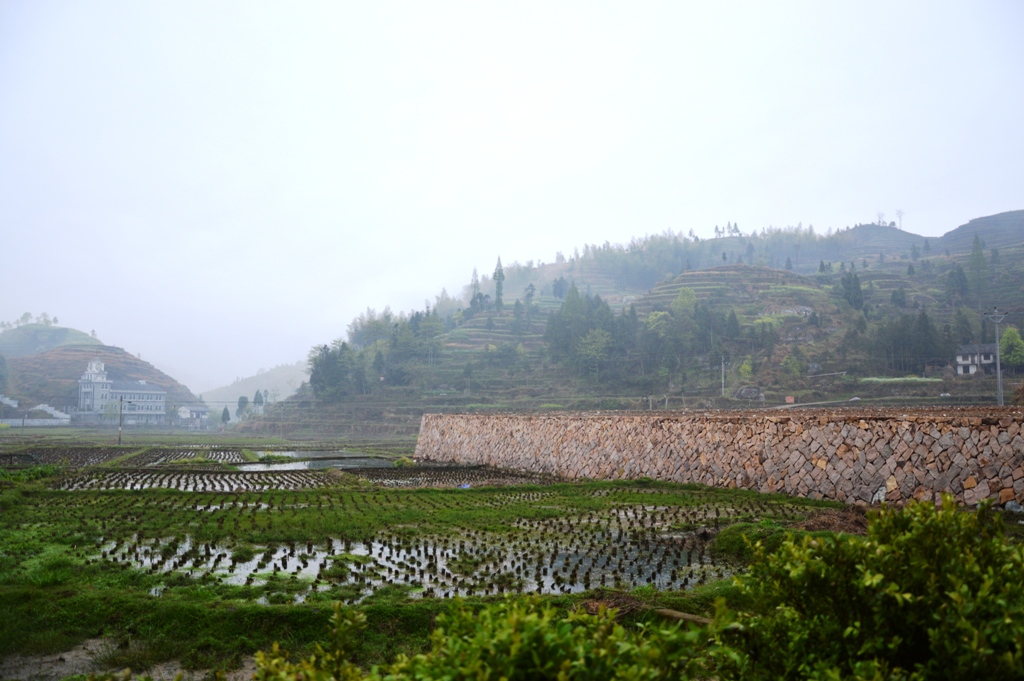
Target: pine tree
{"points": [[963, 330], [499, 283], [732, 325], [852, 292], [978, 268]]}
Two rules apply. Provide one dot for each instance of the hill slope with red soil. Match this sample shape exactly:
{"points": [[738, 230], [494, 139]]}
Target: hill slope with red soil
{"points": [[51, 377]]}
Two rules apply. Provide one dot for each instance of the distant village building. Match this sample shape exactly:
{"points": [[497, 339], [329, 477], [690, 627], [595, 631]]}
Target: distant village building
{"points": [[975, 357], [194, 417], [99, 397]]}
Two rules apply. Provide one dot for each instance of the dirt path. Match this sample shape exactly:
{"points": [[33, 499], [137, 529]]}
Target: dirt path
{"points": [[82, 660]]}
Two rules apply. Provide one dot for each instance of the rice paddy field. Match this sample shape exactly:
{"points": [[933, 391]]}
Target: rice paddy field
{"points": [[181, 554]]}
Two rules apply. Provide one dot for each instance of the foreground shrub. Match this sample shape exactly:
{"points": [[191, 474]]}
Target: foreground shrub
{"points": [[514, 639], [929, 594]]}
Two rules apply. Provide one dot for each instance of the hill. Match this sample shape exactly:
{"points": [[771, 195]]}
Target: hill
{"points": [[997, 231], [51, 377], [281, 382], [790, 312], [30, 339]]}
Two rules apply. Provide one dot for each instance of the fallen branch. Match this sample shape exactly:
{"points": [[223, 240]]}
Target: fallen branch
{"points": [[684, 616]]}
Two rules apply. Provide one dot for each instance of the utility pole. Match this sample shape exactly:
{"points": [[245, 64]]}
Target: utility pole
{"points": [[996, 317], [723, 375], [120, 417]]}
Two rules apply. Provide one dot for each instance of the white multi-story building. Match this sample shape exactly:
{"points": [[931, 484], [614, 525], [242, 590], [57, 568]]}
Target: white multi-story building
{"points": [[142, 403]]}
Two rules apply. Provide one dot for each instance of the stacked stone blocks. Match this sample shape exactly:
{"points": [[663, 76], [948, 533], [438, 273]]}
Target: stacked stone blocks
{"points": [[852, 457]]}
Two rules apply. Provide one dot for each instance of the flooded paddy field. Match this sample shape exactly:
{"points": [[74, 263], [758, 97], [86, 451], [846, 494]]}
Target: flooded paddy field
{"points": [[293, 476], [192, 481], [203, 456], [427, 532], [167, 556]]}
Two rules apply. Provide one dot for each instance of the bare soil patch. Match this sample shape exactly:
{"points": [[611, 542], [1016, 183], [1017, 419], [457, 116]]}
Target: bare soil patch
{"points": [[851, 520]]}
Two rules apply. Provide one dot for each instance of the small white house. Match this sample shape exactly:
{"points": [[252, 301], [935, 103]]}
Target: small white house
{"points": [[970, 359]]}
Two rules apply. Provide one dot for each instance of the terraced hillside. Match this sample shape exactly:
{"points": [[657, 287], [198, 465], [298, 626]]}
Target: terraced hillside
{"points": [[768, 290], [999, 231]]}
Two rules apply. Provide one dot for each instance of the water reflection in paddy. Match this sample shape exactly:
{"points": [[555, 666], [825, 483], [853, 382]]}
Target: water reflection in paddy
{"points": [[318, 464], [314, 454], [631, 546]]}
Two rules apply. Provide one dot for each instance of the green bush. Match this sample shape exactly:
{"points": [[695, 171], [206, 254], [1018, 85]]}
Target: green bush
{"points": [[29, 474], [514, 639], [739, 540], [929, 594]]}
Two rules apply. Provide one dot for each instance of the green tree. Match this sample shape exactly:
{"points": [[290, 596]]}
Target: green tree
{"points": [[732, 325], [257, 401], [3, 374], [499, 284], [795, 363], [745, 370], [559, 288], [225, 415], [1011, 348], [593, 349], [978, 268], [528, 293], [852, 292], [243, 406], [518, 312], [956, 284], [789, 263], [899, 297], [963, 327], [684, 303], [925, 341]]}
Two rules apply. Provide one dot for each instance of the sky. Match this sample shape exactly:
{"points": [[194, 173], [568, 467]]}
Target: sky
{"points": [[218, 186]]}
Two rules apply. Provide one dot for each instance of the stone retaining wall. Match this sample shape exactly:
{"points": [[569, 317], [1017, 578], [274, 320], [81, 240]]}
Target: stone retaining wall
{"points": [[853, 457]]}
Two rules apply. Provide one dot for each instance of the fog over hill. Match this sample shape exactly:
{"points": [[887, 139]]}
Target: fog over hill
{"points": [[220, 187], [279, 383]]}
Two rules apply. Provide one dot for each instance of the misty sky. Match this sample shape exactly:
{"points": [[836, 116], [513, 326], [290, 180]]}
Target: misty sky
{"points": [[218, 186]]}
